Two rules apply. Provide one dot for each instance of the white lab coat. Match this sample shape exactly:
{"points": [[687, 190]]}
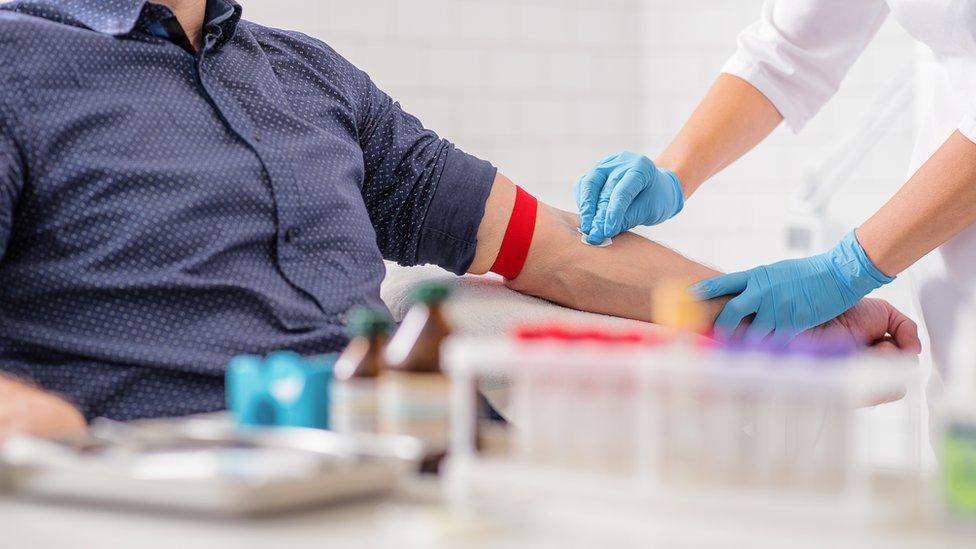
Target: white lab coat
{"points": [[798, 53]]}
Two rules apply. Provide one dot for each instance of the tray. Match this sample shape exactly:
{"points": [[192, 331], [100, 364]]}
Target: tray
{"points": [[206, 465]]}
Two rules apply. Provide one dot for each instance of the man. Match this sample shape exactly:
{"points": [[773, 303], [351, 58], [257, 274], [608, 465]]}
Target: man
{"points": [[178, 185]]}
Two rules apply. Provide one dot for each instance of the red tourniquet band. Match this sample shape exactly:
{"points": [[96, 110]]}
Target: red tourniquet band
{"points": [[518, 236]]}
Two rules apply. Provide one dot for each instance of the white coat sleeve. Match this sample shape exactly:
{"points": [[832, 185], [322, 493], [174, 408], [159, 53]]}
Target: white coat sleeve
{"points": [[799, 51], [967, 127]]}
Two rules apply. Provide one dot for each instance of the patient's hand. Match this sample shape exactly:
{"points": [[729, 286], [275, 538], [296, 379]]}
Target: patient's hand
{"points": [[28, 410], [875, 323]]}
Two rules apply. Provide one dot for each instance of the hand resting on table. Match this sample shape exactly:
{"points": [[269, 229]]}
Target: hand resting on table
{"points": [[28, 410]]}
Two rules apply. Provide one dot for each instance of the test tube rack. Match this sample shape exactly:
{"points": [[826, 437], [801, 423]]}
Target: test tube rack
{"points": [[731, 430]]}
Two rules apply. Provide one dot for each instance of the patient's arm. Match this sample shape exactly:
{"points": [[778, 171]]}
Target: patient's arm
{"points": [[619, 280]]}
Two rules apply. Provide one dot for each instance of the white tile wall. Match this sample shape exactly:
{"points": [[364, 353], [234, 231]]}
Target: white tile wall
{"points": [[543, 88]]}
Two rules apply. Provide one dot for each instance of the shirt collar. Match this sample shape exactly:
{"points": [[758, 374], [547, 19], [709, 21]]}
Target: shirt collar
{"points": [[118, 17]]}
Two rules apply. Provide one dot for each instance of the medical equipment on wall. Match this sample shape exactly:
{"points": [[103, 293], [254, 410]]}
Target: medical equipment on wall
{"points": [[810, 230], [636, 418]]}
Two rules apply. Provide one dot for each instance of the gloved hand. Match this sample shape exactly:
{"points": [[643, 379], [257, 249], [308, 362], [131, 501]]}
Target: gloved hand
{"points": [[792, 296], [623, 191]]}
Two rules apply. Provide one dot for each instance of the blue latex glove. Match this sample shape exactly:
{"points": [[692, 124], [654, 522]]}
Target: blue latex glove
{"points": [[792, 296], [623, 191]]}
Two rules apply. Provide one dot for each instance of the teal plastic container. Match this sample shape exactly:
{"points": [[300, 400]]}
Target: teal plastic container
{"points": [[284, 389]]}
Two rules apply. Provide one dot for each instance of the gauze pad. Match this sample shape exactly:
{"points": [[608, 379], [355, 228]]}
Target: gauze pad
{"points": [[606, 241]]}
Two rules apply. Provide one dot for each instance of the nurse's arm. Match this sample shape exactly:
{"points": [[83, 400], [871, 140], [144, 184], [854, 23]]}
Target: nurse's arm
{"points": [[619, 280], [730, 121], [798, 54], [937, 203]]}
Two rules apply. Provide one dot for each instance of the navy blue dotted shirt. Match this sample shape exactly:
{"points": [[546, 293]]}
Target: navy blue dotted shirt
{"points": [[163, 210]]}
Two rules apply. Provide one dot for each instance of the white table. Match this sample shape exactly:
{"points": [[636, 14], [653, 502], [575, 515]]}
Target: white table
{"points": [[42, 524], [386, 522]]}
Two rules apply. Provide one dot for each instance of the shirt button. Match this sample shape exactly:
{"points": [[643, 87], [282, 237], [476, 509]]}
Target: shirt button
{"points": [[342, 318], [291, 235]]}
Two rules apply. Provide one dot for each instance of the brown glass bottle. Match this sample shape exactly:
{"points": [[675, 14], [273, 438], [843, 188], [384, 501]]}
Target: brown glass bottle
{"points": [[355, 399], [416, 346], [414, 392], [364, 356]]}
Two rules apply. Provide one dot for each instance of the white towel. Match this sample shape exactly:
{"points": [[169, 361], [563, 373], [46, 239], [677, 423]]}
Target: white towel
{"points": [[483, 306]]}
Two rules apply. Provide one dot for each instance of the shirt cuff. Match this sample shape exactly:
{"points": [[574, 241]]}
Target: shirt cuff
{"points": [[752, 72], [449, 236]]}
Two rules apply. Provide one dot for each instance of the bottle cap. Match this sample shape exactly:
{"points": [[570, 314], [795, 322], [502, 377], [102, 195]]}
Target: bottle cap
{"points": [[369, 321], [431, 292]]}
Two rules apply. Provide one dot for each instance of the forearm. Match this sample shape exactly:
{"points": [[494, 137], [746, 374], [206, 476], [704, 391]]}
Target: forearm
{"points": [[732, 119], [937, 203], [618, 280], [621, 279]]}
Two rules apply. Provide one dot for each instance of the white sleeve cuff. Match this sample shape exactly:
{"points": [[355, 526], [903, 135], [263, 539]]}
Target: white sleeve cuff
{"points": [[967, 126]]}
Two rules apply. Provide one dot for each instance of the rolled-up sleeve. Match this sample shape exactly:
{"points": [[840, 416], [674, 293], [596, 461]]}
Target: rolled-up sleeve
{"points": [[799, 51], [425, 197]]}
